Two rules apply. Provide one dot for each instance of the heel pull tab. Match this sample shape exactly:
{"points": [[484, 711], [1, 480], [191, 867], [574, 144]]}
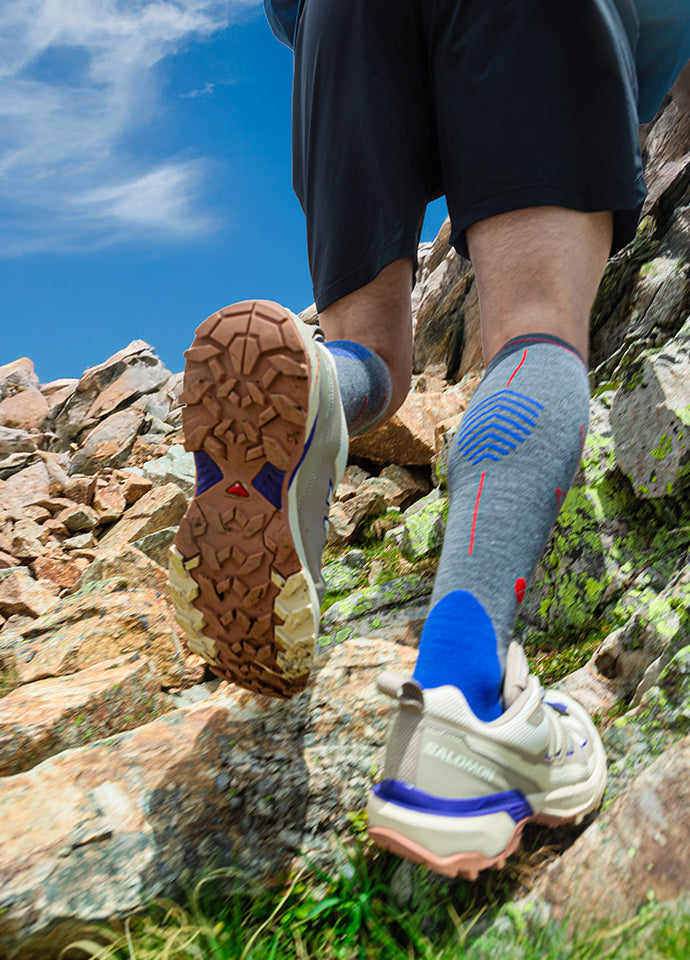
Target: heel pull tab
{"points": [[401, 688]]}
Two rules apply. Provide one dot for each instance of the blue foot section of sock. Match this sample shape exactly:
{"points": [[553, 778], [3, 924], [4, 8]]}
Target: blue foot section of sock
{"points": [[458, 646]]}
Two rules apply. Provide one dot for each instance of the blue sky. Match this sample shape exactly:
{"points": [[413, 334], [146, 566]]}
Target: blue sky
{"points": [[144, 175]]}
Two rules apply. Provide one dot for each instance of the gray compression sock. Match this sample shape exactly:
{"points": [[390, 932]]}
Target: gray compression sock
{"points": [[512, 462], [364, 383]]}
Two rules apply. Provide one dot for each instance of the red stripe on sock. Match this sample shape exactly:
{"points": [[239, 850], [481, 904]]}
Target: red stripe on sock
{"points": [[361, 412], [476, 511], [524, 357]]}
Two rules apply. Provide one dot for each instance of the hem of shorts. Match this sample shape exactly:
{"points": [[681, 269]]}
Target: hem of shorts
{"points": [[366, 272], [625, 202]]}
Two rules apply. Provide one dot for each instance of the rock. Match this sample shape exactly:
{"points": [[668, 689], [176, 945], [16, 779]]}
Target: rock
{"points": [[339, 577], [43, 718], [237, 780], [109, 502], [100, 621], [24, 411], [30, 485], [177, 466], [125, 563], [17, 376], [157, 544], [447, 329], [424, 529], [21, 594], [409, 487], [57, 391], [15, 441], [408, 438], [659, 626], [650, 418], [636, 851], [60, 569], [352, 480], [393, 609], [80, 489], [78, 518], [109, 443], [134, 487], [347, 517], [161, 507], [82, 541], [107, 388]]}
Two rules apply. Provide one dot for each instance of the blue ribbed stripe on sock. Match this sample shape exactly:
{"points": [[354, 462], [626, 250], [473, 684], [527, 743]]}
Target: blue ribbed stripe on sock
{"points": [[458, 646], [364, 383]]}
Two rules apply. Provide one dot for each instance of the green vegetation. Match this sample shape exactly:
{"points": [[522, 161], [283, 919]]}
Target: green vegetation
{"points": [[367, 912]]}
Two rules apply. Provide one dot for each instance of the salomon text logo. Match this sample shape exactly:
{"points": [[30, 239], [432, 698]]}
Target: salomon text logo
{"points": [[457, 760]]}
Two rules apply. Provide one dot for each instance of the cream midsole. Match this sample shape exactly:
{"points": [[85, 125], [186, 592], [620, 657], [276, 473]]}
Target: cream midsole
{"points": [[488, 834]]}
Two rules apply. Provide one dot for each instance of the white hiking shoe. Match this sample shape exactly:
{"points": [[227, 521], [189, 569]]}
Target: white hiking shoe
{"points": [[457, 792], [264, 418]]}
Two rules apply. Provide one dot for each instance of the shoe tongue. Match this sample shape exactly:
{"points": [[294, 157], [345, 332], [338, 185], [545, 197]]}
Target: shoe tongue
{"points": [[516, 674]]}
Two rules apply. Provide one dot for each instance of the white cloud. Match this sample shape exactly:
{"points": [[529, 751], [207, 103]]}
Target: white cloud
{"points": [[77, 77]]}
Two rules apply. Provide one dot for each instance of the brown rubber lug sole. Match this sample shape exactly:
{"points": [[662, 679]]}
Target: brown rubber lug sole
{"points": [[240, 590]]}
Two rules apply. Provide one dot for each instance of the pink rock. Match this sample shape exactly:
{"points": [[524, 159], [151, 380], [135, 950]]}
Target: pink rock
{"points": [[40, 719], [24, 411], [408, 438], [21, 594]]}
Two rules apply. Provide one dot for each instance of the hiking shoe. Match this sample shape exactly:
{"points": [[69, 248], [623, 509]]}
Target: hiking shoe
{"points": [[457, 792], [264, 419]]}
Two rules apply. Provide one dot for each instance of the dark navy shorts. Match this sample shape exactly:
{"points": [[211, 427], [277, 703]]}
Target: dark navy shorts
{"points": [[496, 104]]}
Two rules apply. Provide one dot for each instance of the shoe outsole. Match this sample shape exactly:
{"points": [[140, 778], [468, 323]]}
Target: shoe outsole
{"points": [[241, 592], [465, 865]]}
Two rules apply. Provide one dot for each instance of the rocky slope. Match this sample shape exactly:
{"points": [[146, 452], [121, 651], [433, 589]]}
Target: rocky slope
{"points": [[127, 772]]}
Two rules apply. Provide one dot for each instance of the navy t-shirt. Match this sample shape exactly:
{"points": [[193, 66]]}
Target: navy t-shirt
{"points": [[662, 52]]}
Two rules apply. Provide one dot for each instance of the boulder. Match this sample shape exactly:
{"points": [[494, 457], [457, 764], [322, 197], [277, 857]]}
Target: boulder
{"points": [[650, 418], [635, 852], [394, 609], [109, 443], [15, 441], [103, 620], [161, 507], [447, 331], [242, 781], [40, 719], [346, 517], [17, 376], [126, 563], [24, 411], [109, 387], [177, 466], [424, 527], [351, 481], [109, 502], [408, 438], [21, 594]]}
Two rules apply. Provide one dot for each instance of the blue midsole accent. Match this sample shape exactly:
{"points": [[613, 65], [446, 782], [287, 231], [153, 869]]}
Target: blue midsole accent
{"points": [[304, 453], [208, 473], [404, 794]]}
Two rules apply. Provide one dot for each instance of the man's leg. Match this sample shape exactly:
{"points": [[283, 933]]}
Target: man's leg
{"points": [[375, 380], [476, 748], [519, 443]]}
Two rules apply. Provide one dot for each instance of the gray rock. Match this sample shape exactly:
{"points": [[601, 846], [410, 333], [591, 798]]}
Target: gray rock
{"points": [[156, 545], [177, 466], [424, 527], [635, 852], [108, 444], [650, 419], [15, 441], [105, 389]]}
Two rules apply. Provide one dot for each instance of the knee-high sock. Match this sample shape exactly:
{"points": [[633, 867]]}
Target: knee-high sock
{"points": [[364, 383], [512, 462]]}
